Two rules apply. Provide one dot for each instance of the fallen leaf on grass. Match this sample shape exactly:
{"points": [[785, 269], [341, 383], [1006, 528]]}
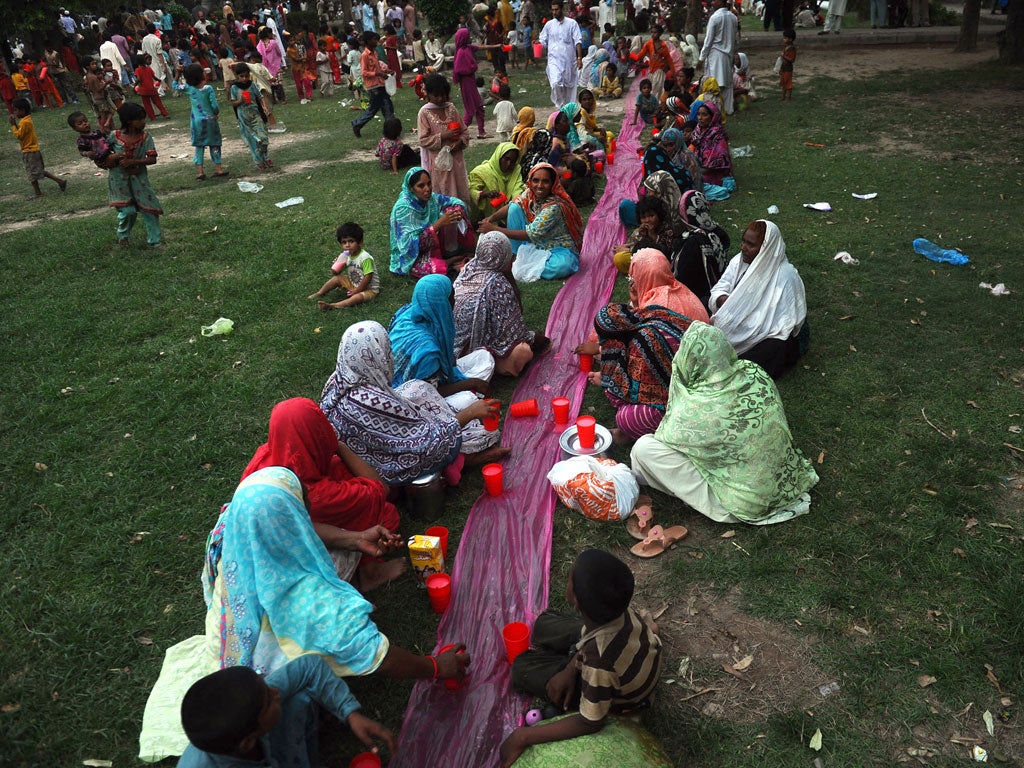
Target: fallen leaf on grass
{"points": [[853, 348], [684, 666], [815, 742], [168, 608], [727, 535], [743, 663], [973, 404], [1004, 526], [729, 668], [971, 522], [660, 612], [210, 231], [967, 741], [959, 553], [8, 709], [821, 457], [861, 630], [992, 677], [925, 680], [98, 763], [40, 467], [143, 640], [990, 724]]}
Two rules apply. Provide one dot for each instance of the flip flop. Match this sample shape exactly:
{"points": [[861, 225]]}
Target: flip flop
{"points": [[639, 520], [222, 175], [658, 540]]}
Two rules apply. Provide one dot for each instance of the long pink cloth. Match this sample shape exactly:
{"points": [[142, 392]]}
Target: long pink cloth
{"points": [[504, 558]]}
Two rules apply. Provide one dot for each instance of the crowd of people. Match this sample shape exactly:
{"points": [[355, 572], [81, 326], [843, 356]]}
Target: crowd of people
{"points": [[688, 363]]}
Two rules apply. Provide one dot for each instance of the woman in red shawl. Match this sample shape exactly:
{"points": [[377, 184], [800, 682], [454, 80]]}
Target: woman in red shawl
{"points": [[544, 226], [347, 501]]}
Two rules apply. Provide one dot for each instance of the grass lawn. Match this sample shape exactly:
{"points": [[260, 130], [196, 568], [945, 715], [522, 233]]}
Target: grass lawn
{"points": [[124, 429]]}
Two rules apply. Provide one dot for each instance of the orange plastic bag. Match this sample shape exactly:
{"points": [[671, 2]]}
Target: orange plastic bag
{"points": [[601, 489]]}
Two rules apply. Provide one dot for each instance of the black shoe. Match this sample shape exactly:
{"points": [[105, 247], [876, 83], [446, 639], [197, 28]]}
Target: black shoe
{"points": [[356, 129], [822, 33]]}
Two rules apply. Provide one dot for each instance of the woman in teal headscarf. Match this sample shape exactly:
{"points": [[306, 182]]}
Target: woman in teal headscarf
{"points": [[724, 446], [495, 178], [425, 232]]}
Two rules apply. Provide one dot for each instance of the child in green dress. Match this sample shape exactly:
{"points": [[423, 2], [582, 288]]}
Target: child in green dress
{"points": [[132, 150], [248, 104], [203, 122]]}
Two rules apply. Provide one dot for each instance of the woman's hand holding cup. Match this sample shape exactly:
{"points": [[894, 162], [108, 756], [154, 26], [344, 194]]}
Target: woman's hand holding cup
{"points": [[451, 665]]}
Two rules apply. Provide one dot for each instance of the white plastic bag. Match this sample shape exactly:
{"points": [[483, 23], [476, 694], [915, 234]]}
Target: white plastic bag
{"points": [[391, 84], [600, 489], [778, 65], [443, 161], [529, 263]]}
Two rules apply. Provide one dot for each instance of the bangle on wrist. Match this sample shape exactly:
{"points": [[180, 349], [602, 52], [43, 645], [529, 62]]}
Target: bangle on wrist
{"points": [[434, 662]]}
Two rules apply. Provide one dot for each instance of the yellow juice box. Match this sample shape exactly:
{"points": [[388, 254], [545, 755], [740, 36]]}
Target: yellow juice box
{"points": [[425, 557]]}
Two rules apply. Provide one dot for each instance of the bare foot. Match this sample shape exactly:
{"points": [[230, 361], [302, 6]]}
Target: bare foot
{"points": [[326, 306], [497, 453], [619, 437], [374, 573], [316, 295]]}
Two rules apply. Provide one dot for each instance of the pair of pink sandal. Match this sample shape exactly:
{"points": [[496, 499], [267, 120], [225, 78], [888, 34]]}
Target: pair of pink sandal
{"points": [[653, 538]]}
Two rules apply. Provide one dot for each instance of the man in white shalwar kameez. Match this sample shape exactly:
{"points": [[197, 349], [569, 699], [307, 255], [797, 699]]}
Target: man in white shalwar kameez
{"points": [[561, 37], [152, 45], [606, 14], [719, 48], [834, 20]]}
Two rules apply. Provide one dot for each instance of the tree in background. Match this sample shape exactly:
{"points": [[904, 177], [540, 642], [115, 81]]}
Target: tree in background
{"points": [[1011, 41], [968, 40], [443, 15]]}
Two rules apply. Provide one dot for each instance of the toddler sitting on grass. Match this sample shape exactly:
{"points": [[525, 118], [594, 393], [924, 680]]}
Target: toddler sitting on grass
{"points": [[354, 271]]}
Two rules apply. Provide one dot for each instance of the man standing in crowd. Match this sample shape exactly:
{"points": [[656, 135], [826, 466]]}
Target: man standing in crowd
{"points": [[561, 36], [719, 48]]}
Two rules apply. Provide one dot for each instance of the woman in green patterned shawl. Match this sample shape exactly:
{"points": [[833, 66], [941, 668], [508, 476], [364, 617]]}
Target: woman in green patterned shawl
{"points": [[724, 446]]}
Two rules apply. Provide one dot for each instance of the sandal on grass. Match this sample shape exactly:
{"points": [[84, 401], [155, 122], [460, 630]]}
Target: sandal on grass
{"points": [[640, 518], [658, 540]]}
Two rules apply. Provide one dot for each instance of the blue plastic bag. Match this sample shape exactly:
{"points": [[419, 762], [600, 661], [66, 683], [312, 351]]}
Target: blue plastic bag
{"points": [[930, 250]]}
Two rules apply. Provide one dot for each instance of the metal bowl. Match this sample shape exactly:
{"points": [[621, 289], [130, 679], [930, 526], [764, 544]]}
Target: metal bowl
{"points": [[570, 442]]}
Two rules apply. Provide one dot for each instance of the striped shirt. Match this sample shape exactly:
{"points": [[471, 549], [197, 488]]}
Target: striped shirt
{"points": [[619, 666]]}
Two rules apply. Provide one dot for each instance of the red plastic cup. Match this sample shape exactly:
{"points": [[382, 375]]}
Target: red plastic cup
{"points": [[524, 408], [453, 126], [493, 478], [611, 158], [449, 683], [599, 166], [365, 760], [506, 48], [615, 145], [655, 133], [560, 407], [585, 431], [491, 422], [586, 363], [500, 200], [442, 533], [517, 639], [439, 591], [247, 97], [567, 175]]}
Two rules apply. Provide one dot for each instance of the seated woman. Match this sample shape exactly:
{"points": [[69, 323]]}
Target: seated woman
{"points": [[660, 156], [699, 258], [711, 146], [537, 151], [404, 432], [564, 136], [346, 495], [636, 346], [489, 309], [425, 238], [272, 595], [422, 337], [760, 304], [651, 283], [523, 132], [544, 226], [499, 177], [724, 447], [658, 204]]}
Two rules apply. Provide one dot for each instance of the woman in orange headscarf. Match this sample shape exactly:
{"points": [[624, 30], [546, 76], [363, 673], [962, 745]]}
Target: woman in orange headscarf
{"points": [[651, 283]]}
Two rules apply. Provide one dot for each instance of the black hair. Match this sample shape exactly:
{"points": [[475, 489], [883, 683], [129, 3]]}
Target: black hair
{"points": [[74, 117], [479, 82], [790, 33], [691, 124], [647, 82], [504, 91], [577, 166], [437, 85], [369, 37], [416, 176], [23, 104], [392, 128], [240, 69], [417, 34], [266, 33], [584, 91], [193, 74], [130, 111], [349, 229], [651, 204], [603, 585], [610, 68], [221, 709]]}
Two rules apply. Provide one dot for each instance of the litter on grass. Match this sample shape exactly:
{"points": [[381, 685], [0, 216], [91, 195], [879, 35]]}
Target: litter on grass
{"points": [[846, 258], [221, 326], [745, 151], [248, 186], [772, 210], [930, 250], [996, 290], [291, 201], [815, 742], [979, 754], [868, 196], [818, 206]]}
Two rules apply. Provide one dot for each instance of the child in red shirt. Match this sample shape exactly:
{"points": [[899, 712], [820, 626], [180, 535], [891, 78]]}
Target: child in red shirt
{"points": [[147, 88]]}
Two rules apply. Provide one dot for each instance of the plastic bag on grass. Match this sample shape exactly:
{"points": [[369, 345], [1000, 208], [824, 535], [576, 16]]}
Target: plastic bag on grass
{"points": [[601, 489]]}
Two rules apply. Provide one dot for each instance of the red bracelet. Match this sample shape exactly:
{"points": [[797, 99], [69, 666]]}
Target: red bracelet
{"points": [[434, 662]]}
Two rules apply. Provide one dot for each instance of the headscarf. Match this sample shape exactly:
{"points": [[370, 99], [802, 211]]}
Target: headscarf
{"points": [[637, 347], [301, 439], [656, 285], [661, 185], [488, 307], [523, 132], [423, 334], [701, 257], [657, 159], [769, 302], [488, 176], [464, 63], [675, 105], [600, 58], [743, 70], [409, 217], [570, 110], [393, 433], [691, 52], [570, 214], [609, 48], [725, 416], [712, 145], [585, 65], [538, 151], [280, 585]]}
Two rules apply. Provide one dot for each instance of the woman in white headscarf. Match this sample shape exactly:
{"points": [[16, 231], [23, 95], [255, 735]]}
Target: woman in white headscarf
{"points": [[759, 302]]}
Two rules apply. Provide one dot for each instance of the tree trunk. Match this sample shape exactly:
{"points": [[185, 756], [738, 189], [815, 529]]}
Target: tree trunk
{"points": [[1011, 41], [693, 17], [969, 27]]}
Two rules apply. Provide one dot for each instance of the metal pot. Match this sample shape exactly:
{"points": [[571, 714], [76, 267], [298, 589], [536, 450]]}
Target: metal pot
{"points": [[425, 497]]}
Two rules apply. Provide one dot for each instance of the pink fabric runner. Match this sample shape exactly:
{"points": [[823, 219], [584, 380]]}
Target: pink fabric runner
{"points": [[504, 558]]}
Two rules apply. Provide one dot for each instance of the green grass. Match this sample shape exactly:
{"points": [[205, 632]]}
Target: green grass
{"points": [[145, 425]]}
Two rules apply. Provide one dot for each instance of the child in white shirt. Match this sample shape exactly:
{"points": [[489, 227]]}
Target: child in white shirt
{"points": [[505, 113]]}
